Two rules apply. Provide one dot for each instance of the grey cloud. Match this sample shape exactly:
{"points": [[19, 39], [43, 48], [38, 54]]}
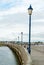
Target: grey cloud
{"points": [[9, 22], [14, 19], [38, 23], [38, 35]]}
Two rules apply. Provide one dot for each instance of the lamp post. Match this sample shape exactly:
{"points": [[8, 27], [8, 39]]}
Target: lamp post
{"points": [[18, 39], [30, 13], [21, 37]]}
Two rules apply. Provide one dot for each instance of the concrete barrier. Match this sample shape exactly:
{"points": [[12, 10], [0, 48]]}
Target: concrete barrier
{"points": [[21, 52]]}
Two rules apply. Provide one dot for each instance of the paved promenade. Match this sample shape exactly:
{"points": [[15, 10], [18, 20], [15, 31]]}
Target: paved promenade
{"points": [[37, 55]]}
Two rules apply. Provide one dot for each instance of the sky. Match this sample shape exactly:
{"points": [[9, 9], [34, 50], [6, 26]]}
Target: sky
{"points": [[14, 19]]}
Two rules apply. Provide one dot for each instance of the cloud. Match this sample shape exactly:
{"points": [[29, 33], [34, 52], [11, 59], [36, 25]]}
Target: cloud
{"points": [[13, 24], [4, 1], [38, 37], [5, 4], [14, 18], [18, 22], [13, 10], [11, 6]]}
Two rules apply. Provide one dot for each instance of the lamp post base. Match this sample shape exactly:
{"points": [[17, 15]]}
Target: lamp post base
{"points": [[29, 50]]}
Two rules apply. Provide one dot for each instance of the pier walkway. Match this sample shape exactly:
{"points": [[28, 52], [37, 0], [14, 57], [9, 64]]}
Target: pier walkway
{"points": [[37, 54]]}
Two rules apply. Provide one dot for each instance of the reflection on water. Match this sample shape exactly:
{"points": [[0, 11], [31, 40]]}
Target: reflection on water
{"points": [[7, 57]]}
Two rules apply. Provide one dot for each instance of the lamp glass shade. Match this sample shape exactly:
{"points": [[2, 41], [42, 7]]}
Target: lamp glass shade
{"points": [[29, 11]]}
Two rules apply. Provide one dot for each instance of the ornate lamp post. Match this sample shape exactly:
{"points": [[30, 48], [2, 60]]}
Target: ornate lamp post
{"points": [[30, 13]]}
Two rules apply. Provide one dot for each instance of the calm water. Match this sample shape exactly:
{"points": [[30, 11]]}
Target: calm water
{"points": [[7, 57]]}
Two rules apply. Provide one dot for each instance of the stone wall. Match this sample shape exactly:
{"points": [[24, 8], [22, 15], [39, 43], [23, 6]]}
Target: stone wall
{"points": [[21, 52]]}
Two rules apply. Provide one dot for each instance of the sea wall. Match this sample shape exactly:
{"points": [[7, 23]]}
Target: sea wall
{"points": [[21, 52]]}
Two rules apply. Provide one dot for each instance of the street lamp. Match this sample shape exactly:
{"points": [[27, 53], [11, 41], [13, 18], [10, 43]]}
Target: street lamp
{"points": [[21, 37], [18, 39], [30, 13]]}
